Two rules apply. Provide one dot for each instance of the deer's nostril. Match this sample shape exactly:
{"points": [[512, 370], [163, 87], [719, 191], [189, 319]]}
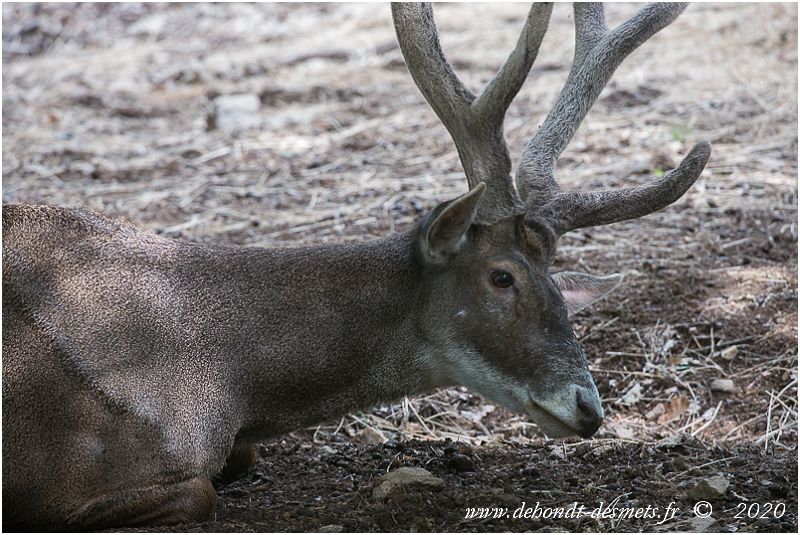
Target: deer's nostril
{"points": [[590, 415]]}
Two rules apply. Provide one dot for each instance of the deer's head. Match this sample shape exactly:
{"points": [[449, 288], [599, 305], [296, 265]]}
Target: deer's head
{"points": [[502, 318]]}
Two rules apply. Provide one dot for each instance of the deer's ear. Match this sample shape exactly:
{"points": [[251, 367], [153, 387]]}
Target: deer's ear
{"points": [[581, 289], [445, 234]]}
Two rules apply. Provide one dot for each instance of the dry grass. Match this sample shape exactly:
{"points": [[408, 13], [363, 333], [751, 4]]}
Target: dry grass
{"points": [[105, 107]]}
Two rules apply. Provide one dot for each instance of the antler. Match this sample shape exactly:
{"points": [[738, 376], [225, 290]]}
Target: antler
{"points": [[475, 124], [598, 52]]}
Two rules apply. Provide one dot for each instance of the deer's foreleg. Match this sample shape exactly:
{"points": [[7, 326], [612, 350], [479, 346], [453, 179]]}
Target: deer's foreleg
{"points": [[192, 500]]}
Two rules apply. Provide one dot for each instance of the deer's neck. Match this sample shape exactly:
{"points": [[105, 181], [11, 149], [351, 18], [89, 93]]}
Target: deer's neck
{"points": [[328, 330]]}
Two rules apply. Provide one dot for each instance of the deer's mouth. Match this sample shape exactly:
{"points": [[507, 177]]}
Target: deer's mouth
{"points": [[552, 425]]}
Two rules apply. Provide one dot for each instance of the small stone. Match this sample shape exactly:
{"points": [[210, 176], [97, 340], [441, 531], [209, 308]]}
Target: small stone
{"points": [[331, 528], [723, 385], [234, 112], [710, 488], [461, 463], [701, 524], [370, 435], [729, 352], [406, 478]]}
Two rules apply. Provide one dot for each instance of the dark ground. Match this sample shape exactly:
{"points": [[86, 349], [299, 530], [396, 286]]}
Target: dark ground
{"points": [[300, 487]]}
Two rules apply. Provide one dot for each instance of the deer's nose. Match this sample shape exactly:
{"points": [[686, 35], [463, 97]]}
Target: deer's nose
{"points": [[590, 412]]}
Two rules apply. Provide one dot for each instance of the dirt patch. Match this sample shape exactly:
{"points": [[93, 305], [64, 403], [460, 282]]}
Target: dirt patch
{"points": [[303, 487]]}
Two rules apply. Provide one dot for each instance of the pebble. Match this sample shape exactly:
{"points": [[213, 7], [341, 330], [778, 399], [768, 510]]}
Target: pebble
{"points": [[701, 524], [723, 385], [370, 435], [406, 478], [234, 112], [710, 488]]}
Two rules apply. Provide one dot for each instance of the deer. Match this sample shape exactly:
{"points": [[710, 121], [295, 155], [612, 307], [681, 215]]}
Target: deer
{"points": [[137, 367]]}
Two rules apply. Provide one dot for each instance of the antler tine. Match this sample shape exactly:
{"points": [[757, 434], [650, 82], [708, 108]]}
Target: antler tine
{"points": [[419, 43], [497, 97], [572, 210], [598, 52], [476, 125]]}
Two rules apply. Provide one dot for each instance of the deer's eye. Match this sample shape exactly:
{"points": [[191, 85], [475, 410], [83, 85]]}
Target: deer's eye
{"points": [[502, 279]]}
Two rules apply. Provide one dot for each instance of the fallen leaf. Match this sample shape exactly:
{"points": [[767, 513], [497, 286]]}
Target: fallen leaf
{"points": [[676, 407]]}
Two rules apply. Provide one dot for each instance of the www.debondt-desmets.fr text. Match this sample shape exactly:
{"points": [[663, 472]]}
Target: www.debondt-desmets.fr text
{"points": [[614, 511]]}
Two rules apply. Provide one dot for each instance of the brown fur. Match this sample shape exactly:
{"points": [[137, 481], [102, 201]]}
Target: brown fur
{"points": [[134, 364]]}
